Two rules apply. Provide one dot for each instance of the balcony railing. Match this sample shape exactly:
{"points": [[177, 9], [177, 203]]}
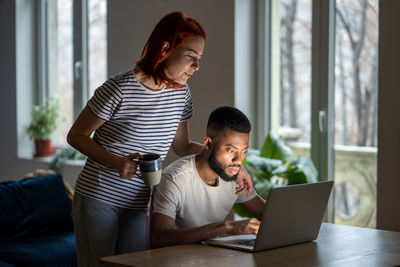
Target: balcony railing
{"points": [[355, 175]]}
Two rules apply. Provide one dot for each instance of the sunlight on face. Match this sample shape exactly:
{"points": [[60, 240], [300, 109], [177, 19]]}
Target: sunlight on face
{"points": [[184, 60], [228, 152]]}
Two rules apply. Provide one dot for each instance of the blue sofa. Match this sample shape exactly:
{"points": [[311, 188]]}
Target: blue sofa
{"points": [[35, 223]]}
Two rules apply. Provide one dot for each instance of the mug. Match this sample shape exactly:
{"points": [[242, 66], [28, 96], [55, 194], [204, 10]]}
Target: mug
{"points": [[150, 168]]}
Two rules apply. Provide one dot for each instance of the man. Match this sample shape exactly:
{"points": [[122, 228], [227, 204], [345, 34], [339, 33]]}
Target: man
{"points": [[197, 192]]}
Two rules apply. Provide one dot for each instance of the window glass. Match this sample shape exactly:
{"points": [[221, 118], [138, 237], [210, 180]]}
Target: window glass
{"points": [[97, 44], [59, 62], [355, 94], [60, 49], [295, 74], [356, 106]]}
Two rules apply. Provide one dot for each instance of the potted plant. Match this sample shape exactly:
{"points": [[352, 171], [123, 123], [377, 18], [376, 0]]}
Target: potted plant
{"points": [[43, 124], [273, 165], [63, 156]]}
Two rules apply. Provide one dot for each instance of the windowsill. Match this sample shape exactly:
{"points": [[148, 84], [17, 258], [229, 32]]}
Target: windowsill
{"points": [[37, 159], [27, 155], [70, 162], [69, 169]]}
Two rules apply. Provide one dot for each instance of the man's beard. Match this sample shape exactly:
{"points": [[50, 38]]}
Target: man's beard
{"points": [[216, 166]]}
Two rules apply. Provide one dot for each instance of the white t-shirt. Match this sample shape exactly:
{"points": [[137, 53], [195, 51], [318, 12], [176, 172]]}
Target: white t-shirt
{"points": [[185, 197]]}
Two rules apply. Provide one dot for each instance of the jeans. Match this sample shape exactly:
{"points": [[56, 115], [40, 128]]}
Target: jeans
{"points": [[102, 229]]}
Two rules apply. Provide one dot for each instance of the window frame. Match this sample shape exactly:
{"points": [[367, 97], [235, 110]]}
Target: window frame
{"points": [[322, 82], [80, 54]]}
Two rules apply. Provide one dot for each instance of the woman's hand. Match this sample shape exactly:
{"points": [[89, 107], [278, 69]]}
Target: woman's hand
{"points": [[127, 166], [244, 182]]}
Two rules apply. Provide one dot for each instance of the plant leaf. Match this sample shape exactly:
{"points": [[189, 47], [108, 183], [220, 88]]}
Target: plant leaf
{"points": [[280, 171], [275, 148], [44, 119], [67, 153], [262, 187], [239, 210], [302, 170], [260, 166]]}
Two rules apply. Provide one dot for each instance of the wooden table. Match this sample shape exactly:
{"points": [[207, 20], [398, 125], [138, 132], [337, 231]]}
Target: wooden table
{"points": [[336, 245]]}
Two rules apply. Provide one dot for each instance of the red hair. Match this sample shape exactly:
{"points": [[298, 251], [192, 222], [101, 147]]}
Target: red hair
{"points": [[173, 28]]}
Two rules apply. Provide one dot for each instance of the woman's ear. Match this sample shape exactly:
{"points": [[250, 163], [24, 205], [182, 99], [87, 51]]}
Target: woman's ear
{"points": [[164, 48], [207, 142]]}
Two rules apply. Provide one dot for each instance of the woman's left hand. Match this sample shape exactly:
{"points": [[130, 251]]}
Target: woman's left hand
{"points": [[244, 182]]}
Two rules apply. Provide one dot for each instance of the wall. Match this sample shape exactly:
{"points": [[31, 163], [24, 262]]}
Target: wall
{"points": [[11, 167], [130, 24], [17, 47], [8, 140], [388, 215]]}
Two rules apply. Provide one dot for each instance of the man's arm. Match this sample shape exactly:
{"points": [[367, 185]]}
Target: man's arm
{"points": [[255, 206], [163, 233]]}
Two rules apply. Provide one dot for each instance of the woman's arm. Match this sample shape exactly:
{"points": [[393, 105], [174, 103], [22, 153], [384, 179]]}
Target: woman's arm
{"points": [[181, 145], [79, 138]]}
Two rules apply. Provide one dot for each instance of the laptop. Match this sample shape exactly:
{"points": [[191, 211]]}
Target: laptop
{"points": [[293, 214]]}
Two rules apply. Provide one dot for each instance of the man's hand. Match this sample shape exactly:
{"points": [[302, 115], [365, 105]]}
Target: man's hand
{"points": [[245, 227], [244, 182], [127, 167]]}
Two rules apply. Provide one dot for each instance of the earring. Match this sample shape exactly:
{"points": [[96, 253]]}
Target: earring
{"points": [[165, 48]]}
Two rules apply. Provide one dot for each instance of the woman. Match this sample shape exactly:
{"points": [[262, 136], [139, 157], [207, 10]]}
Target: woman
{"points": [[144, 110]]}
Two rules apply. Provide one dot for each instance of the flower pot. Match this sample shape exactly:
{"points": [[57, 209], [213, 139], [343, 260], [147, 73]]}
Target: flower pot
{"points": [[43, 148]]}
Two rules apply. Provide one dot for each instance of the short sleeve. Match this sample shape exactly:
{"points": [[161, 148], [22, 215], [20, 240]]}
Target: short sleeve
{"points": [[106, 99], [244, 198], [188, 110], [167, 197]]}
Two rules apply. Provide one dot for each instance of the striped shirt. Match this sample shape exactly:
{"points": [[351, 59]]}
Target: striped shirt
{"points": [[136, 120]]}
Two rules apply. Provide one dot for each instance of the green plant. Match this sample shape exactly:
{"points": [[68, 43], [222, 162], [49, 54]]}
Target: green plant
{"points": [[44, 120], [63, 155], [272, 166]]}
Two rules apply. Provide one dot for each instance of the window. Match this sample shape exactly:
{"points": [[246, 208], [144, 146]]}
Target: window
{"points": [[295, 72], [73, 44], [324, 96], [97, 44], [355, 117]]}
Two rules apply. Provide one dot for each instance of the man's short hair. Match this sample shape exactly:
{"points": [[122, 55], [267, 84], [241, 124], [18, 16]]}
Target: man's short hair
{"points": [[226, 117]]}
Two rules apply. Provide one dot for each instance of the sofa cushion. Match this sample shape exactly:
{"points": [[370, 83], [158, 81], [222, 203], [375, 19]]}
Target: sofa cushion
{"points": [[33, 207], [5, 264], [49, 250]]}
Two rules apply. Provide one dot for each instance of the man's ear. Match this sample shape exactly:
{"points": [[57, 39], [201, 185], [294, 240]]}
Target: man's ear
{"points": [[164, 48], [207, 142]]}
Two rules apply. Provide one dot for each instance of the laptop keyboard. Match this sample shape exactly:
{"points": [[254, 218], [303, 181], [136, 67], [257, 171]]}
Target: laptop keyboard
{"points": [[250, 243]]}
